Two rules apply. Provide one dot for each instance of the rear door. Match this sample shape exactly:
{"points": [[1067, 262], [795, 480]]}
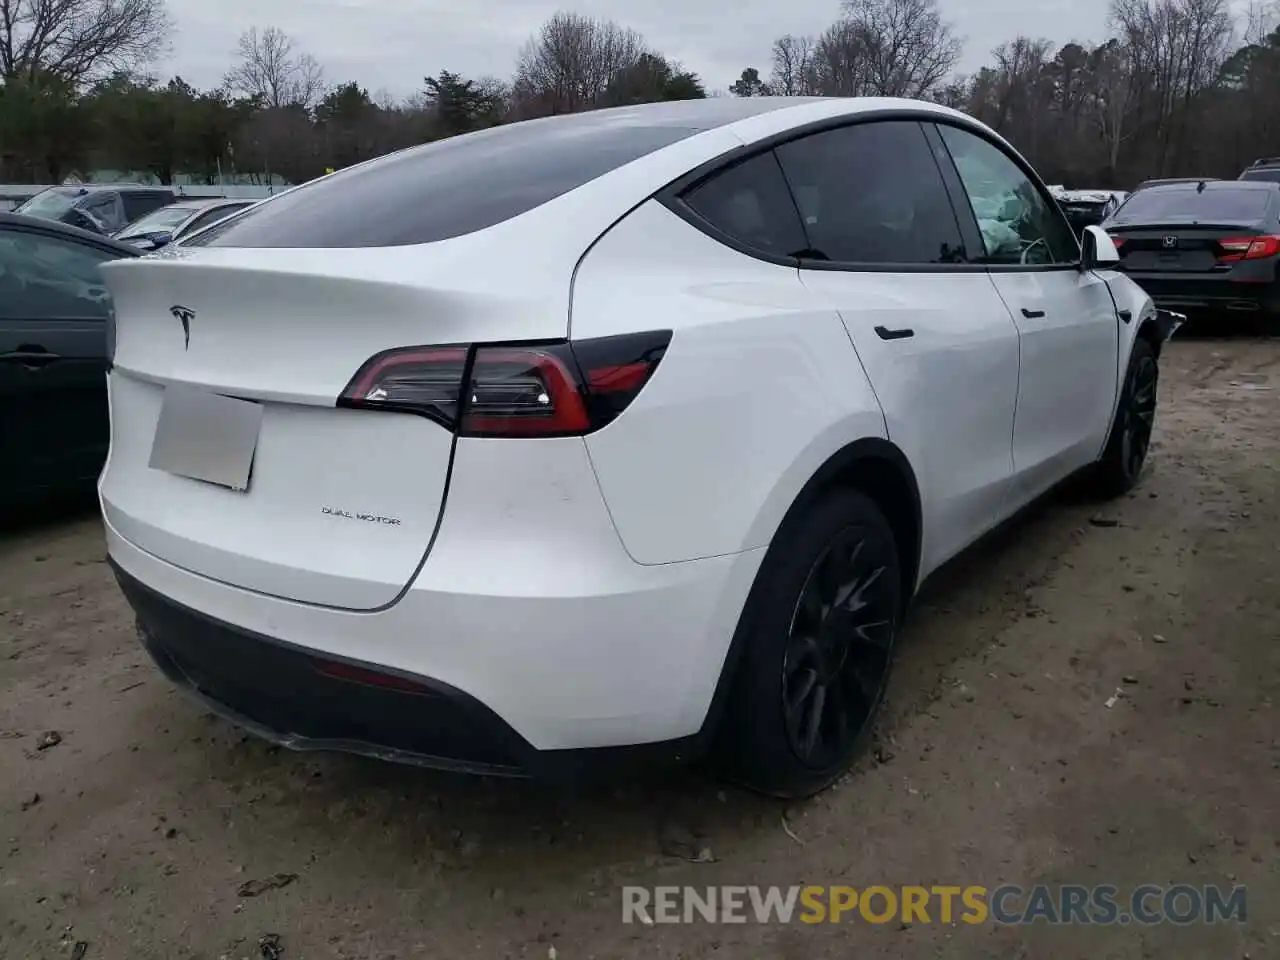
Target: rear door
{"points": [[933, 335], [53, 316], [1068, 334]]}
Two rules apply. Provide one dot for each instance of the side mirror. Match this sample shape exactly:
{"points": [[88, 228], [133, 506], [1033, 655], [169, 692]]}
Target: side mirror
{"points": [[1098, 251]]}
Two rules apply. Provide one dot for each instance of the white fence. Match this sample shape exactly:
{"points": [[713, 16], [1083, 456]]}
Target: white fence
{"points": [[12, 194]]}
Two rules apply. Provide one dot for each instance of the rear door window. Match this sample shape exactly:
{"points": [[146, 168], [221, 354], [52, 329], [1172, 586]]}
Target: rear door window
{"points": [[872, 193], [750, 204], [447, 188], [1184, 203], [50, 278]]}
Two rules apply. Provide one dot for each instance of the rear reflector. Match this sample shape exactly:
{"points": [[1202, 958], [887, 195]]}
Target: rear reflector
{"points": [[369, 678], [1248, 248], [1118, 241], [514, 390]]}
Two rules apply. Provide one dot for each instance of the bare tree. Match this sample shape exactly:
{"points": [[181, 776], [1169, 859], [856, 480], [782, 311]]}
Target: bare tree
{"points": [[80, 40], [839, 65], [908, 47], [1115, 88], [269, 66], [1178, 48], [793, 67], [1261, 17], [570, 63]]}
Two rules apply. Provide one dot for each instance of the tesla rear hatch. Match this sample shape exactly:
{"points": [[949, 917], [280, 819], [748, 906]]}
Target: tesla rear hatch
{"points": [[286, 385]]}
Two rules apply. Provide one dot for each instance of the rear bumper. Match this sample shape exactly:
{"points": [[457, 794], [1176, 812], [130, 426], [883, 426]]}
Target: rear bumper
{"points": [[292, 696], [531, 625]]}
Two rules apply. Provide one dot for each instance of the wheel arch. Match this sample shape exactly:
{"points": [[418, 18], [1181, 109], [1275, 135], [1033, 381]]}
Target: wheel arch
{"points": [[878, 468]]}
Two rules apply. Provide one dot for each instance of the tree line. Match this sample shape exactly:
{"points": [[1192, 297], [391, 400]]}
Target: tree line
{"points": [[1177, 87], [78, 99]]}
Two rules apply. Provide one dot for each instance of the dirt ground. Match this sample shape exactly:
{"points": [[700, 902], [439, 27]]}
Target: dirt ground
{"points": [[999, 762]]}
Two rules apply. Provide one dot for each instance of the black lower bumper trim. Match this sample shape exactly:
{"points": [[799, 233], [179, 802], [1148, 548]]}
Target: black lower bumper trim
{"points": [[289, 695], [1210, 295]]}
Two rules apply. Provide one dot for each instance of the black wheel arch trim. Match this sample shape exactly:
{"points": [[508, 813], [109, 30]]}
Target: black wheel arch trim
{"points": [[824, 478]]}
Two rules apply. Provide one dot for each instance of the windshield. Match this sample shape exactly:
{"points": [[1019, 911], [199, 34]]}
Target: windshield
{"points": [[50, 204], [165, 220], [1189, 205]]}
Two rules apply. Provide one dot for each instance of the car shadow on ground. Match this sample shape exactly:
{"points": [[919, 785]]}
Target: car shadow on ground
{"points": [[44, 516]]}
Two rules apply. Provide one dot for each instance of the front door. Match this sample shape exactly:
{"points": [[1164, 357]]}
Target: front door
{"points": [[1068, 331], [54, 428], [932, 333]]}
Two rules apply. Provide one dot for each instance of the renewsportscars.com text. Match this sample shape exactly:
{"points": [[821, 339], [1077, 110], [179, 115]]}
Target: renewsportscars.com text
{"points": [[1008, 904]]}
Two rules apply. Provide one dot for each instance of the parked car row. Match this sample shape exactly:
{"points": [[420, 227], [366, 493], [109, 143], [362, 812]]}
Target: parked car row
{"points": [[148, 217]]}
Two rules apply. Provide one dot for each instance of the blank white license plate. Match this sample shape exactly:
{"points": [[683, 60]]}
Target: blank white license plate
{"points": [[206, 436]]}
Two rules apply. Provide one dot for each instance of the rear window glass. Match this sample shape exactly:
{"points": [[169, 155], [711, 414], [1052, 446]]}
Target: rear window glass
{"points": [[166, 218], [1189, 204], [50, 204], [447, 188], [1265, 173]]}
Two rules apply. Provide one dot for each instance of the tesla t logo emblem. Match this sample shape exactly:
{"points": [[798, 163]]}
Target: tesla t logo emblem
{"points": [[184, 315], [1170, 242]]}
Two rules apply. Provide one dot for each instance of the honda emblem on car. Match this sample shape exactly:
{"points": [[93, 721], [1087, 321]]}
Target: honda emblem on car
{"points": [[184, 315], [1170, 242]]}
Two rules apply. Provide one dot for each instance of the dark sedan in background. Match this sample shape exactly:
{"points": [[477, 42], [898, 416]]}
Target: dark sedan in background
{"points": [[1264, 168], [54, 313], [1204, 246], [170, 224]]}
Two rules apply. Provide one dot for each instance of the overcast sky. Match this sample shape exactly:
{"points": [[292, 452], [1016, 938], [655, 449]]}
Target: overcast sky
{"points": [[392, 44]]}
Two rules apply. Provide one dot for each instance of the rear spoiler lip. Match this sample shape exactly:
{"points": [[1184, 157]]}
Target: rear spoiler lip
{"points": [[1258, 226]]}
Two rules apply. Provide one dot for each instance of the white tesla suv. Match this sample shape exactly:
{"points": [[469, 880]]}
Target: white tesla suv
{"points": [[615, 436]]}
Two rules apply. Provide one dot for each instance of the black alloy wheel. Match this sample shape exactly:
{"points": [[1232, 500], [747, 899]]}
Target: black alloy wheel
{"points": [[1139, 413], [814, 645], [839, 646]]}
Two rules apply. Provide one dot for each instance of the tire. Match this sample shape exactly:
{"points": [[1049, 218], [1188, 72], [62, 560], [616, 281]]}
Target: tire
{"points": [[817, 632], [1117, 472]]}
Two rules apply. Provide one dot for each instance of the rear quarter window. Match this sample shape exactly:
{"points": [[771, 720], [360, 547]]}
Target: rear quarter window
{"points": [[447, 188], [751, 204]]}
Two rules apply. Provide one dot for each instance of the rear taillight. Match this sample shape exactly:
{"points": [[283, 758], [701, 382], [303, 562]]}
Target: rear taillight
{"points": [[514, 390], [1118, 241], [1248, 248]]}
